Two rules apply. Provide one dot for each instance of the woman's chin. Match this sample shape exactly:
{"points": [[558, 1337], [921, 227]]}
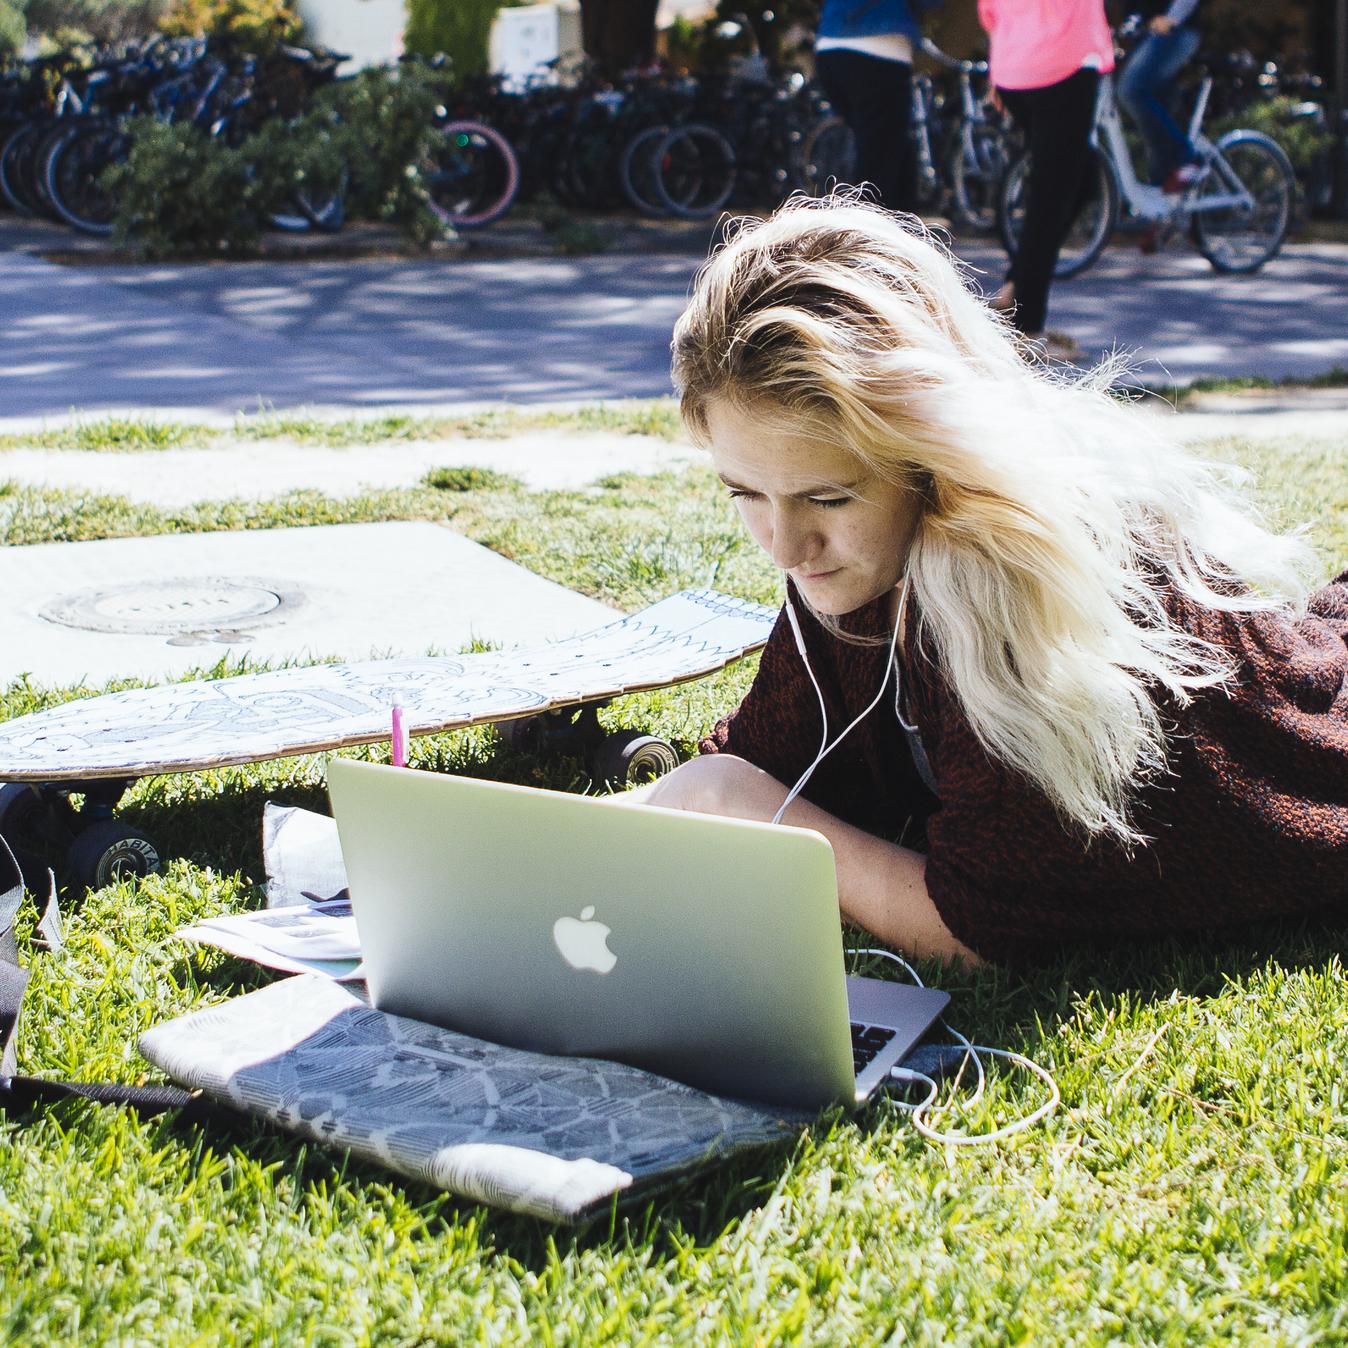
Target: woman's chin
{"points": [[833, 597], [833, 601]]}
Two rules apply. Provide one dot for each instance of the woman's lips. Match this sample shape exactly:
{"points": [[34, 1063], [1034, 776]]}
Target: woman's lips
{"points": [[819, 575]]}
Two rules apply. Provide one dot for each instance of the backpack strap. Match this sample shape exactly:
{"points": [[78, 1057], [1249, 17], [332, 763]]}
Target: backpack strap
{"points": [[18, 1091], [13, 979]]}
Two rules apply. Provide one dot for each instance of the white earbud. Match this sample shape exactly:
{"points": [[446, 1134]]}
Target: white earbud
{"points": [[795, 628]]}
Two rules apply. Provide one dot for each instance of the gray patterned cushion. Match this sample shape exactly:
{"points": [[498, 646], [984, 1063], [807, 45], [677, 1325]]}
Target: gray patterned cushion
{"points": [[553, 1137]]}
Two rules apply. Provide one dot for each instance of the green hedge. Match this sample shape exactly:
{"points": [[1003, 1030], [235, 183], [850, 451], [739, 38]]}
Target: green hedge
{"points": [[1301, 140], [13, 29], [184, 193]]}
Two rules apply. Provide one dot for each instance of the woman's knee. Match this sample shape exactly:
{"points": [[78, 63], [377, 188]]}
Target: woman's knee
{"points": [[706, 784]]}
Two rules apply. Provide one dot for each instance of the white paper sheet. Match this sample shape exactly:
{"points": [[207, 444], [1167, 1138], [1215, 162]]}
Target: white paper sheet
{"points": [[318, 938]]}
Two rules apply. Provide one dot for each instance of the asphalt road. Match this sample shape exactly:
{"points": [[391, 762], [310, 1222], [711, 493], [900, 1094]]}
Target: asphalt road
{"points": [[218, 338]]}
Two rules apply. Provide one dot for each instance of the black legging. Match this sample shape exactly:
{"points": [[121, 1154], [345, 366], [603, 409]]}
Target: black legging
{"points": [[1056, 121], [875, 98]]}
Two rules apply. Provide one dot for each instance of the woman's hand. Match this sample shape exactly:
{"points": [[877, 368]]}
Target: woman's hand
{"points": [[1161, 25]]}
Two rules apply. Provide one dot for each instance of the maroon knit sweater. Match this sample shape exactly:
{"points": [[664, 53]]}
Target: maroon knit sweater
{"points": [[1250, 822]]}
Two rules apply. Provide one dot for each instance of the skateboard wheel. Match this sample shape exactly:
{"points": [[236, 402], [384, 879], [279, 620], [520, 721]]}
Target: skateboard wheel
{"points": [[524, 734], [630, 758], [34, 822], [108, 851]]}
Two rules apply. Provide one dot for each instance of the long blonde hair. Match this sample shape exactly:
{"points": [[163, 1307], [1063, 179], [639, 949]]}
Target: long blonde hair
{"points": [[1054, 520]]}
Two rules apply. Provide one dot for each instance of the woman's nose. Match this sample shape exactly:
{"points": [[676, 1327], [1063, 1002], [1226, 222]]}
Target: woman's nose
{"points": [[792, 541]]}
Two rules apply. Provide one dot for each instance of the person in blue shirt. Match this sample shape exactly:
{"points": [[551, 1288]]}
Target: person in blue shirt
{"points": [[864, 62], [1147, 85]]}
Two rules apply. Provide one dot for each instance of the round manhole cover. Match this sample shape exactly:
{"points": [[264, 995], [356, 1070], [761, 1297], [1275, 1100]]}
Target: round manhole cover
{"points": [[174, 607]]}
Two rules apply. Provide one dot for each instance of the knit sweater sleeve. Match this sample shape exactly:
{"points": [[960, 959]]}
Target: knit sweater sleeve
{"points": [[1250, 820]]}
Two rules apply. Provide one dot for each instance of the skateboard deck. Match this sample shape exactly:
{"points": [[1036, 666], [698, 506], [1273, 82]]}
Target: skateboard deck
{"points": [[188, 727]]}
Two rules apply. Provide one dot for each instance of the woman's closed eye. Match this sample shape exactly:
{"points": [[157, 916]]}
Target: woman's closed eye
{"points": [[824, 502]]}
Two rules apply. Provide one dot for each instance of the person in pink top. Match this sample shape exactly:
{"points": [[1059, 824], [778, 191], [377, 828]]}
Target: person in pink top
{"points": [[1046, 59]]}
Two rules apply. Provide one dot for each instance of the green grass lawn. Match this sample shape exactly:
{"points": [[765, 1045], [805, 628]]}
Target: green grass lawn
{"points": [[1190, 1189]]}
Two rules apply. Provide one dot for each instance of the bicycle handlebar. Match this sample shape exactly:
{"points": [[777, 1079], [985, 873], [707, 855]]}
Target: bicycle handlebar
{"points": [[929, 48]]}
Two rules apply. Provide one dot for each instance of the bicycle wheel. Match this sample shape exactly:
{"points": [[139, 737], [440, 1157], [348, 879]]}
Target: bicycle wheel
{"points": [[73, 175], [593, 158], [35, 165], [1253, 175], [638, 170], [974, 170], [14, 156], [324, 208], [694, 171], [289, 218], [1095, 221], [473, 176], [827, 156]]}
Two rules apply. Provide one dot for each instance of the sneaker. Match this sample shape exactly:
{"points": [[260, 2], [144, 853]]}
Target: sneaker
{"points": [[1149, 240], [1180, 179], [1050, 347], [1061, 346]]}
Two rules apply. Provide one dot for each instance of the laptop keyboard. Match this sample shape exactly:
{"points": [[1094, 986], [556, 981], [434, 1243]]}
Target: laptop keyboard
{"points": [[867, 1041]]}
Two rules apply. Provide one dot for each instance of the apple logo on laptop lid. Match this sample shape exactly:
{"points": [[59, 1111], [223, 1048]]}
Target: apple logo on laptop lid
{"points": [[583, 942]]}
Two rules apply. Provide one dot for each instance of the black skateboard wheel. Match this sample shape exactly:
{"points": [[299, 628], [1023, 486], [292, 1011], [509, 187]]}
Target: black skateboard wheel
{"points": [[36, 822], [524, 734], [629, 758], [108, 851]]}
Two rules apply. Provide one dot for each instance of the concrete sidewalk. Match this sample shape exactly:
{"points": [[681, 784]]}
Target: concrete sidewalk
{"points": [[345, 336]]}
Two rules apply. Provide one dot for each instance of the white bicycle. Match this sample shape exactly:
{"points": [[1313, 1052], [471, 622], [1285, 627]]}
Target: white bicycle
{"points": [[1237, 210]]}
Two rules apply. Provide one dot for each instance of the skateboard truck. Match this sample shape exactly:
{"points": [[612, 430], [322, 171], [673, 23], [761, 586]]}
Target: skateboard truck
{"points": [[38, 821], [620, 757]]}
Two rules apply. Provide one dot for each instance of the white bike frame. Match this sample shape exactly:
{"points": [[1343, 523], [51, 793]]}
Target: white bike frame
{"points": [[1151, 203]]}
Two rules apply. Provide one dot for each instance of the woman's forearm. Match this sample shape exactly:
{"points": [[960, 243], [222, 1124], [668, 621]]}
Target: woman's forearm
{"points": [[881, 886]]}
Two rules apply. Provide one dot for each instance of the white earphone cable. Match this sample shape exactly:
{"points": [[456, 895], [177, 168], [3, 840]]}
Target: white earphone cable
{"points": [[920, 1112], [825, 747], [923, 1109]]}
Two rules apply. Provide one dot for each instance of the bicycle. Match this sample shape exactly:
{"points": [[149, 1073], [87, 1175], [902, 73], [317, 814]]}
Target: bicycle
{"points": [[1237, 210], [976, 148], [959, 161]]}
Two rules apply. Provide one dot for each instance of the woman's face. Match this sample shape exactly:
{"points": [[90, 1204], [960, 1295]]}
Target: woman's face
{"points": [[840, 532]]}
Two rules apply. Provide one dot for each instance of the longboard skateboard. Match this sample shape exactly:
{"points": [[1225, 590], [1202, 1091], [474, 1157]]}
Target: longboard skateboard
{"points": [[543, 696]]}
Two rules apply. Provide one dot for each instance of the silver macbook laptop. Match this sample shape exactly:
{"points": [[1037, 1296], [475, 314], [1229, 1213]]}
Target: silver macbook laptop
{"points": [[705, 949]]}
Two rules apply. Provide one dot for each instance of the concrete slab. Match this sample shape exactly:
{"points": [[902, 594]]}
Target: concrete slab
{"points": [[262, 469], [1278, 426], [157, 607], [1275, 423]]}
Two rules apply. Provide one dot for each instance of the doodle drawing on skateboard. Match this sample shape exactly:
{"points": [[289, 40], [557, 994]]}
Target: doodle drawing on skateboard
{"points": [[543, 697]]}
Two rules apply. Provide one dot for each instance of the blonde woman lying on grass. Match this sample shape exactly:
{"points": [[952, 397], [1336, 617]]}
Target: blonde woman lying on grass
{"points": [[1094, 678]]}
